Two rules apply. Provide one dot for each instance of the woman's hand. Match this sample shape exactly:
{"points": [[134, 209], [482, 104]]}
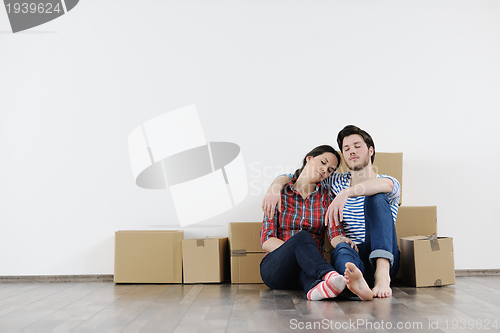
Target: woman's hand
{"points": [[344, 239], [271, 199], [335, 212], [273, 196]]}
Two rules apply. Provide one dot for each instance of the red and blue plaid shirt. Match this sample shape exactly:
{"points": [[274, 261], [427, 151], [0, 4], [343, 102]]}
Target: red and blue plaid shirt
{"points": [[299, 214]]}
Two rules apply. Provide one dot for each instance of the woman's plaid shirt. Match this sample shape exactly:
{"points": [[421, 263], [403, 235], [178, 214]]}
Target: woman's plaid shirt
{"points": [[299, 214]]}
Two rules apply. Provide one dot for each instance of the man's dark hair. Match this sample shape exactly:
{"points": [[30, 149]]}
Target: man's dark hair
{"points": [[350, 130]]}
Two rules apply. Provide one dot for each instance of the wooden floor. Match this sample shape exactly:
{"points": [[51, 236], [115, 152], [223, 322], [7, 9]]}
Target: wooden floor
{"points": [[472, 305]]}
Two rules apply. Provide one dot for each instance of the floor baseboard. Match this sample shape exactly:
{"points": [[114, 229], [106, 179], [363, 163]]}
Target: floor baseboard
{"points": [[56, 278], [110, 277], [477, 272]]}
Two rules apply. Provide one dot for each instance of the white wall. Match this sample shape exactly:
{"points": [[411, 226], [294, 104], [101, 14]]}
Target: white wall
{"points": [[275, 77]]}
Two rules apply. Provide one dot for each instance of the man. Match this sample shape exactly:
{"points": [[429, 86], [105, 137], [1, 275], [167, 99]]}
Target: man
{"points": [[366, 207]]}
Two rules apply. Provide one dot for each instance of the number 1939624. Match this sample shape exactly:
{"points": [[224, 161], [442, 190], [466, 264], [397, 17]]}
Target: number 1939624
{"points": [[41, 8]]}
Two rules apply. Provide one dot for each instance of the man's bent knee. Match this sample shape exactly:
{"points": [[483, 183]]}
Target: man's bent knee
{"points": [[376, 199]]}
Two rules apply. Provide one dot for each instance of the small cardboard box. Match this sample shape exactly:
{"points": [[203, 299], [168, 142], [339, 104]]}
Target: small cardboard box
{"points": [[388, 164], [246, 251], [205, 259], [148, 256], [427, 261]]}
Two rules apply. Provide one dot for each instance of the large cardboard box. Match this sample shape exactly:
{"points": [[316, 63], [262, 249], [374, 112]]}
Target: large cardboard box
{"points": [[246, 251], [427, 261], [205, 259], [148, 256], [386, 163]]}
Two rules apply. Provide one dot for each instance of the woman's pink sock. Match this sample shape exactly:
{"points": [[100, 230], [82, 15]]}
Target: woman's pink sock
{"points": [[332, 285]]}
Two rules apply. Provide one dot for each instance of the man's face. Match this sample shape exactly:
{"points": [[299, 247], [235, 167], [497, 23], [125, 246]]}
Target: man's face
{"points": [[356, 153]]}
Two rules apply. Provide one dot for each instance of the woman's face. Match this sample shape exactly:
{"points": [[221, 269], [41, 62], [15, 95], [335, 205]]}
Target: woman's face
{"points": [[321, 166]]}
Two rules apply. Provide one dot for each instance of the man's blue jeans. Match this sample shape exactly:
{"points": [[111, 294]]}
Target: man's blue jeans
{"points": [[294, 265], [380, 241]]}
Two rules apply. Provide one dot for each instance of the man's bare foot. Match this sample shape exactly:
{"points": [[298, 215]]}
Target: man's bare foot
{"points": [[382, 286], [356, 283]]}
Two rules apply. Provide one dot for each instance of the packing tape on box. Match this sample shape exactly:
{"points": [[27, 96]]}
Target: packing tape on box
{"points": [[434, 242], [238, 253], [205, 178], [438, 283]]}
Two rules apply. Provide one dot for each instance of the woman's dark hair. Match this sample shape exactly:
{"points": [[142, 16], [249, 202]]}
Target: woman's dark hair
{"points": [[350, 130], [316, 152]]}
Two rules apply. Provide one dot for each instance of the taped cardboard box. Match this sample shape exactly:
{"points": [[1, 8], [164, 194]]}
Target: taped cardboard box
{"points": [[245, 251], [245, 236], [427, 261], [148, 256], [205, 260], [245, 268]]}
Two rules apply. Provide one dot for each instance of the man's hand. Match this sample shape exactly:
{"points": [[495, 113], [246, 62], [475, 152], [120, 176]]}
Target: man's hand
{"points": [[269, 203], [335, 212]]}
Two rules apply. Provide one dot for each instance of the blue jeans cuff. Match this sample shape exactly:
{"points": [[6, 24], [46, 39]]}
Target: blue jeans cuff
{"points": [[381, 254]]}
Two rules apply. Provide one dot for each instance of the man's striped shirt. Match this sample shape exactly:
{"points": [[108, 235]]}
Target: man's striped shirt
{"points": [[354, 210]]}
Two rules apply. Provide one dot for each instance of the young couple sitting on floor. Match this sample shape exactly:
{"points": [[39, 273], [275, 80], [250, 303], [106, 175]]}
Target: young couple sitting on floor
{"points": [[357, 209]]}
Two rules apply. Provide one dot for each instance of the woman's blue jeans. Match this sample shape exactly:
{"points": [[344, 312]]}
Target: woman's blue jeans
{"points": [[380, 241], [294, 265]]}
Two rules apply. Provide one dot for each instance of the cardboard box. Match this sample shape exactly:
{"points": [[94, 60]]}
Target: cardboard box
{"points": [[205, 259], [416, 221], [427, 261], [246, 251], [385, 163], [245, 236], [148, 256], [246, 268]]}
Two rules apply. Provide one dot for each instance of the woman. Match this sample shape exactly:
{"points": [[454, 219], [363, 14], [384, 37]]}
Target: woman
{"points": [[293, 238]]}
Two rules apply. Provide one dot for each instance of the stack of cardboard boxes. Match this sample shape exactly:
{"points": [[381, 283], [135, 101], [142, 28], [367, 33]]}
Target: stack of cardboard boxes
{"points": [[165, 257], [246, 252]]}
